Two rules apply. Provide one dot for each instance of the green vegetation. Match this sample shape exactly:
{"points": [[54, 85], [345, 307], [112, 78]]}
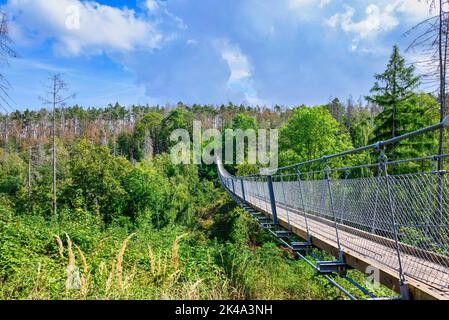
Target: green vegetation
{"points": [[392, 89], [133, 226], [311, 134], [150, 231]]}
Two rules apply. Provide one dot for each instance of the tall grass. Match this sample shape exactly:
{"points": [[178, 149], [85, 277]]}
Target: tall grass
{"points": [[90, 263], [165, 278]]}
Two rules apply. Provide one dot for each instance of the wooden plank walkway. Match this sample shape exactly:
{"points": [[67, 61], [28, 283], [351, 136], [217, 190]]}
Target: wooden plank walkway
{"points": [[426, 279]]}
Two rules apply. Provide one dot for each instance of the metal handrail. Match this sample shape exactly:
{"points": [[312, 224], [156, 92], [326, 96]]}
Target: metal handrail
{"points": [[376, 146], [407, 213]]}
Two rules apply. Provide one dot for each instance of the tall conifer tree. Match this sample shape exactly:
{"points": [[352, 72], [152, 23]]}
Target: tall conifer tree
{"points": [[391, 88]]}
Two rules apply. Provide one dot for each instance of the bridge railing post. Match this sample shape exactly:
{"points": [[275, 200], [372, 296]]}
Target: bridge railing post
{"points": [[243, 189], [303, 205], [322, 211], [266, 197], [233, 186], [402, 281], [376, 197], [272, 199], [331, 199], [258, 182], [428, 223], [285, 203], [345, 191]]}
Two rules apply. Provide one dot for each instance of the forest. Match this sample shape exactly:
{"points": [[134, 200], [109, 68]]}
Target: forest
{"points": [[135, 226]]}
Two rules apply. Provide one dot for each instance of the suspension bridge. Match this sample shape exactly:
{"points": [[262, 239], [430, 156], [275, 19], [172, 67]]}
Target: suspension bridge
{"points": [[390, 218]]}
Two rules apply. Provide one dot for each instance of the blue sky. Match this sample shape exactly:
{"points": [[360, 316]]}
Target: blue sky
{"points": [[267, 52]]}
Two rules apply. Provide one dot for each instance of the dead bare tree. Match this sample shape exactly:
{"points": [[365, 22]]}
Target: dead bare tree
{"points": [[433, 42], [56, 96], [6, 52]]}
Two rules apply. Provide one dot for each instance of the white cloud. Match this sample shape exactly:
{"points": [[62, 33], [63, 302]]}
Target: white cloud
{"points": [[376, 20], [80, 27], [241, 74], [379, 18], [151, 5], [414, 10], [238, 63]]}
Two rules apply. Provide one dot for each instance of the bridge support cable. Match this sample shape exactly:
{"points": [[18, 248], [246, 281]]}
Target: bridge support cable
{"points": [[327, 277], [361, 288]]}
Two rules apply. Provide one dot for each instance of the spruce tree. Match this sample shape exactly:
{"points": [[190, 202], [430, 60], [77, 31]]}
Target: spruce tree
{"points": [[392, 87]]}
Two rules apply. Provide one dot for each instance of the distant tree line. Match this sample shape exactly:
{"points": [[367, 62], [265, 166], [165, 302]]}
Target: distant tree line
{"points": [[395, 107]]}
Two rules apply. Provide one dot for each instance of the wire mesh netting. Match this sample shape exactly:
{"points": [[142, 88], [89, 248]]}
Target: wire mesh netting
{"points": [[367, 216]]}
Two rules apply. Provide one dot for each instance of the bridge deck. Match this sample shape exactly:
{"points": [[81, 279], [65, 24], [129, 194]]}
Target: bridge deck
{"points": [[363, 250]]}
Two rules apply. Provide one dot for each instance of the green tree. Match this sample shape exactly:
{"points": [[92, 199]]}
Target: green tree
{"points": [[391, 88], [176, 119], [12, 173], [337, 110], [147, 131], [127, 145], [311, 133], [96, 181], [361, 127], [244, 122], [419, 111], [148, 196]]}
